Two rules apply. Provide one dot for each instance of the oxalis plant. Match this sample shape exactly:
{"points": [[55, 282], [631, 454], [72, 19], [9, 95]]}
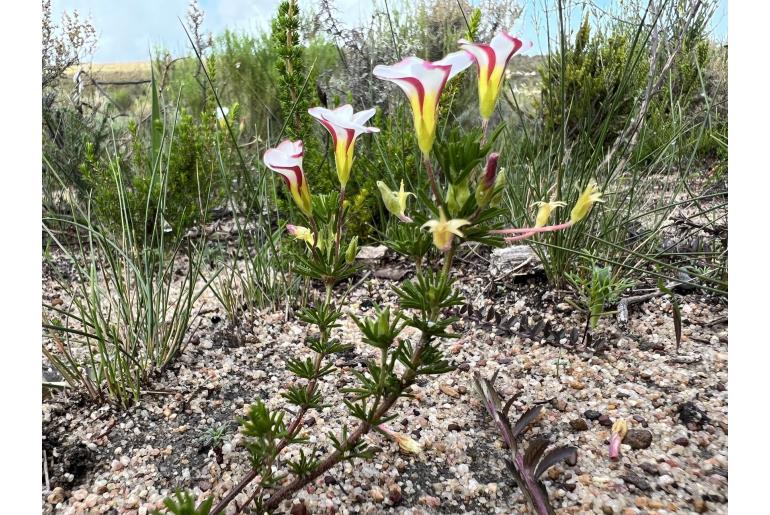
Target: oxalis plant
{"points": [[460, 207]]}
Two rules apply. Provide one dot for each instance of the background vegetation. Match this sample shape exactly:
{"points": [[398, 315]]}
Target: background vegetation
{"points": [[138, 159]]}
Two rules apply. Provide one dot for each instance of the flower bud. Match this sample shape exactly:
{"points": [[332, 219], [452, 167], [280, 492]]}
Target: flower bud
{"points": [[545, 210], [585, 202], [490, 171], [457, 195], [301, 233], [395, 202], [486, 186], [352, 251]]}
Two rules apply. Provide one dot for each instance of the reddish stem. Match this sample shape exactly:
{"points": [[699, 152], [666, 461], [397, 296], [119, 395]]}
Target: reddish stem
{"points": [[533, 230]]}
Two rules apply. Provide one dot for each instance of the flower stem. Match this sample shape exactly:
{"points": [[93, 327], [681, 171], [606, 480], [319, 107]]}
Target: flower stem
{"points": [[533, 230], [432, 179]]}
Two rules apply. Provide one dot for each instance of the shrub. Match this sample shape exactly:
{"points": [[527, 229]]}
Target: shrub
{"points": [[592, 90], [191, 179]]}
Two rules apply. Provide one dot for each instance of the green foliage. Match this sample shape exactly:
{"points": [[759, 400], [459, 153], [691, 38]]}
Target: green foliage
{"points": [[598, 288], [125, 321], [293, 95], [190, 182], [381, 331], [183, 503], [591, 92], [67, 135]]}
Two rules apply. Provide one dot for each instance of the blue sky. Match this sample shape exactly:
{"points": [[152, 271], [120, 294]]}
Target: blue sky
{"points": [[129, 29]]}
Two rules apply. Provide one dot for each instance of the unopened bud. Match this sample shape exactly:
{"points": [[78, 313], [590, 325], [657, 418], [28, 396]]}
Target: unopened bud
{"points": [[352, 251]]}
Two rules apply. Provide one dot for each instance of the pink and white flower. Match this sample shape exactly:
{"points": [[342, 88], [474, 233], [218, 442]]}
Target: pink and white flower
{"points": [[345, 126], [423, 82], [491, 60], [286, 159]]}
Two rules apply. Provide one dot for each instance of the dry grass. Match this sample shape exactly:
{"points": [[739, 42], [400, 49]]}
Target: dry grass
{"points": [[137, 70]]}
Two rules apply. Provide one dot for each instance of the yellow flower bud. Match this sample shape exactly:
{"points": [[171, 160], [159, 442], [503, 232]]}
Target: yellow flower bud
{"points": [[301, 233], [394, 202], [585, 202], [456, 196], [352, 251], [545, 210]]}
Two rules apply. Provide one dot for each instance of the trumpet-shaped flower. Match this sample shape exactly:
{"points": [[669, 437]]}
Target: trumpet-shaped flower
{"points": [[544, 211], [619, 430], [395, 202], [301, 233], [345, 126], [286, 159], [423, 82], [585, 202], [444, 230], [491, 60]]}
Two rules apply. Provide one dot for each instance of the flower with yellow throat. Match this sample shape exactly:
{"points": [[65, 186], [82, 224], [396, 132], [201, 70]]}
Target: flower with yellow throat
{"points": [[286, 159], [423, 82], [301, 233], [491, 60], [344, 126]]}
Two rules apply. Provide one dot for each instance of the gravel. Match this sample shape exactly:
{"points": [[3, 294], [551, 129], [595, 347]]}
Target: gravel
{"points": [[673, 459]]}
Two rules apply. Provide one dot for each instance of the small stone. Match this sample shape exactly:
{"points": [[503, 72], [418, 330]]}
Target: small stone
{"points": [[448, 390], [579, 424], [665, 480], [607, 510], [56, 496], [91, 500], [464, 367], [642, 502], [454, 427], [605, 420], [299, 509], [329, 480], [638, 438], [394, 493], [642, 421], [430, 501], [117, 466], [683, 441], [650, 468], [377, 495], [577, 385], [636, 480], [699, 505], [79, 495], [591, 414], [559, 404]]}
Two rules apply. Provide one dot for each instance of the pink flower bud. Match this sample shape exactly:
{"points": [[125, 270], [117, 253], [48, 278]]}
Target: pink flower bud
{"points": [[491, 170]]}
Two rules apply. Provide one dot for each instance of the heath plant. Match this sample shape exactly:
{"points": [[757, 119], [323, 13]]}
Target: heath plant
{"points": [[460, 206]]}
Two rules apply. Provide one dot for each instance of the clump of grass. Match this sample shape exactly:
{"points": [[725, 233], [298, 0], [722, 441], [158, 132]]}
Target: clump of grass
{"points": [[135, 286], [557, 151]]}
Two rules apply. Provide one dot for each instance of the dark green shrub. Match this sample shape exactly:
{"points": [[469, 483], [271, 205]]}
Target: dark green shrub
{"points": [[598, 94], [179, 197]]}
